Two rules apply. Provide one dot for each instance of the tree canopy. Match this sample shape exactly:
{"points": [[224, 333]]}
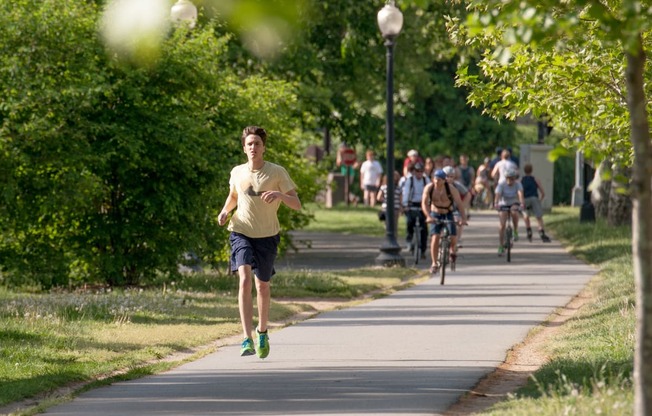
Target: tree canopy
{"points": [[111, 172], [115, 163], [337, 62]]}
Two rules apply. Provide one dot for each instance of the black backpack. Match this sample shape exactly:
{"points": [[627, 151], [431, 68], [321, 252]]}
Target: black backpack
{"points": [[448, 194]]}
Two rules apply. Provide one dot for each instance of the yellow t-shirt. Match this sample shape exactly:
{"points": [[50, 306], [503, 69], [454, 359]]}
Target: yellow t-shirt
{"points": [[254, 217]]}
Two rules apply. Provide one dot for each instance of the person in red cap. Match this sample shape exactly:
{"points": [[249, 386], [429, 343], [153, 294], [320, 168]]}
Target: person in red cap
{"points": [[412, 157]]}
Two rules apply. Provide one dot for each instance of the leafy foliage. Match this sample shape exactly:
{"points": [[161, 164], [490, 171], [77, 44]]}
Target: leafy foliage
{"points": [[553, 59], [337, 60], [112, 172], [433, 113]]}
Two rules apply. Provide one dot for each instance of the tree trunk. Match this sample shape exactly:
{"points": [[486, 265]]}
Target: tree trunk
{"points": [[641, 227], [620, 202], [600, 194]]}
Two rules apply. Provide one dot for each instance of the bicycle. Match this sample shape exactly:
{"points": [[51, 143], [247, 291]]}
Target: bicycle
{"points": [[416, 236], [508, 235], [443, 254]]}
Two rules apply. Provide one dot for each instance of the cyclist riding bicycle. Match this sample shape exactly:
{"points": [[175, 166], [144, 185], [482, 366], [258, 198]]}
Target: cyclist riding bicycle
{"points": [[508, 200], [413, 186], [438, 202]]}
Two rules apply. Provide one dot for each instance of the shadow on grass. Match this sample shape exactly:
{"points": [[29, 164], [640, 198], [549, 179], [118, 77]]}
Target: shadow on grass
{"points": [[19, 389], [11, 335]]}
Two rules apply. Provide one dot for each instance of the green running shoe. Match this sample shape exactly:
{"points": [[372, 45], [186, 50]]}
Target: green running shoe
{"points": [[515, 235], [501, 250], [263, 344], [247, 347]]}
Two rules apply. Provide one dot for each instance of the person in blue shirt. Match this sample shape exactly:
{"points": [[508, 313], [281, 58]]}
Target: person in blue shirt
{"points": [[533, 193]]}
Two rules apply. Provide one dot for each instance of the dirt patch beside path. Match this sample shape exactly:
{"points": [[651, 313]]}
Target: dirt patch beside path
{"points": [[521, 362]]}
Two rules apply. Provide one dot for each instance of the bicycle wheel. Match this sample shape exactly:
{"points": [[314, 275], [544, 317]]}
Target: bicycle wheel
{"points": [[483, 199], [416, 241], [453, 263], [443, 258], [508, 243]]}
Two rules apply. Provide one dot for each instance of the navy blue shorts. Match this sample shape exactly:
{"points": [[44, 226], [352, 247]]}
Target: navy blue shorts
{"points": [[259, 253], [435, 228]]}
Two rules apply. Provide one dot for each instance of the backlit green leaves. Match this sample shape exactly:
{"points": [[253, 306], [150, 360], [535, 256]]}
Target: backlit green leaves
{"points": [[565, 59], [112, 172]]}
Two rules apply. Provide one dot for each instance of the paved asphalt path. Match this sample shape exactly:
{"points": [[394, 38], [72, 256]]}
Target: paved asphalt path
{"points": [[414, 352]]}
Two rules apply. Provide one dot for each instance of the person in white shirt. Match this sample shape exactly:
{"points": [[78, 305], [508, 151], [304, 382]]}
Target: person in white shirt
{"points": [[371, 172], [508, 200], [412, 192], [505, 163]]}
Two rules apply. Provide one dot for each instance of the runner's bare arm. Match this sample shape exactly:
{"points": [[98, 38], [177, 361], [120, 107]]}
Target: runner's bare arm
{"points": [[230, 203], [290, 198]]}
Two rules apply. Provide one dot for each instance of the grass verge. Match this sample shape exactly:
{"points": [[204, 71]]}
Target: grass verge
{"points": [[590, 363], [341, 219]]}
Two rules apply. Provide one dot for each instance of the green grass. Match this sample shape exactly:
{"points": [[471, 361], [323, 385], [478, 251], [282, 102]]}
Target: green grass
{"points": [[590, 370], [348, 220], [347, 284], [49, 340]]}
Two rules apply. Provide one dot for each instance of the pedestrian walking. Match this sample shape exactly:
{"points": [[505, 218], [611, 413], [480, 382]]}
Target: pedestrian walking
{"points": [[533, 193], [467, 172], [371, 172], [382, 197], [256, 190], [498, 173]]}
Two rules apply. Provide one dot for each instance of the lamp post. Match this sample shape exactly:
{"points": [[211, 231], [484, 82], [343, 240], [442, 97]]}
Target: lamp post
{"points": [[184, 12], [390, 22], [577, 198]]}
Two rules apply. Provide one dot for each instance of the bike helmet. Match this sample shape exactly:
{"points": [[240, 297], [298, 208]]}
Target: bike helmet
{"points": [[418, 166], [440, 174], [449, 170], [511, 173]]}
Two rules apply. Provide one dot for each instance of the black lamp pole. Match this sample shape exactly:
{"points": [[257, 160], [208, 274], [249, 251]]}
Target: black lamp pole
{"points": [[390, 250]]}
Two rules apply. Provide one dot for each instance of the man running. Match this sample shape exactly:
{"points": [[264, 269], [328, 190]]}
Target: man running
{"points": [[257, 189]]}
